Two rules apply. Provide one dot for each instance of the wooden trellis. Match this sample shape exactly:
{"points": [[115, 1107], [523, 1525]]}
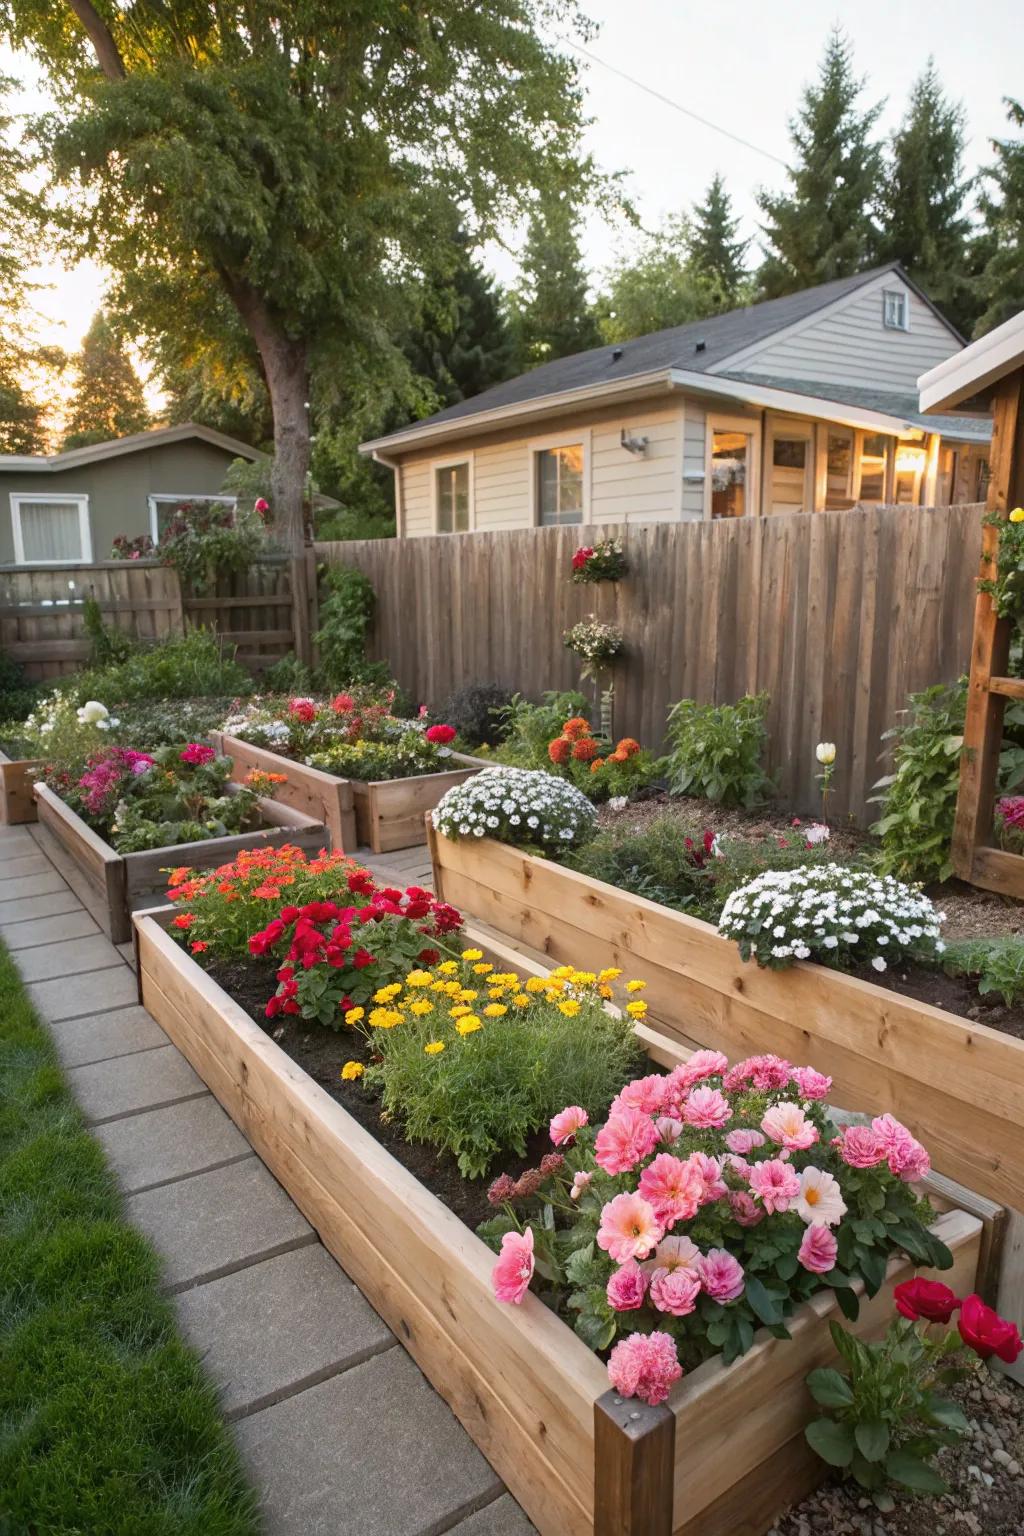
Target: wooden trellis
{"points": [[974, 857]]}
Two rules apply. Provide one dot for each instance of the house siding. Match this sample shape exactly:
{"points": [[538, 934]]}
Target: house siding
{"points": [[694, 436], [850, 345]]}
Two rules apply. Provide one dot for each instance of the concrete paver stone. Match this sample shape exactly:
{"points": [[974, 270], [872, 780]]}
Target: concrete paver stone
{"points": [[98, 1036], [170, 1143], [94, 992], [126, 1084], [45, 931], [68, 957]]}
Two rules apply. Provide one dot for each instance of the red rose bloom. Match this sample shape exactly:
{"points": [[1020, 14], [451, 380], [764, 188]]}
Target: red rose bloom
{"points": [[581, 557], [559, 749], [440, 735], [986, 1332], [928, 1299]]}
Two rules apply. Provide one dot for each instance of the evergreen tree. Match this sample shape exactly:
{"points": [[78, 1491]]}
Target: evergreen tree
{"points": [[921, 200], [108, 401], [550, 314], [21, 415], [460, 340], [654, 289], [822, 228], [1001, 282], [716, 255]]}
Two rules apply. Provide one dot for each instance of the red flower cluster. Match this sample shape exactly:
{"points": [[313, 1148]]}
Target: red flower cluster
{"points": [[196, 754], [699, 855], [303, 709], [981, 1329], [581, 557], [440, 735]]}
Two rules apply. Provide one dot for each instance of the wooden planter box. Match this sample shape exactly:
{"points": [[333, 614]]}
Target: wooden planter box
{"points": [[382, 814], [110, 883], [17, 803], [957, 1084], [720, 1459]]}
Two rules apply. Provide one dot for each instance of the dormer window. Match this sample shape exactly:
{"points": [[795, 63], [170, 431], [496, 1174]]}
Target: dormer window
{"points": [[895, 315]]}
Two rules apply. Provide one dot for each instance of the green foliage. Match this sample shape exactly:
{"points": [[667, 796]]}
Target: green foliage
{"points": [[21, 412], [404, 758], [197, 664], [653, 287], [1001, 204], [346, 614], [348, 523], [108, 401], [18, 697], [477, 712], [717, 257], [459, 341], [918, 798], [1006, 585], [146, 724], [551, 314], [106, 644], [997, 963], [207, 539], [112, 1424], [526, 728], [716, 751]]}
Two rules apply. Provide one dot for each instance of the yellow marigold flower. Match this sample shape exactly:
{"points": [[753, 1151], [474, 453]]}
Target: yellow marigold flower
{"points": [[554, 985], [483, 968], [606, 992], [610, 973], [635, 986], [494, 1010], [521, 1000], [448, 968], [563, 972], [472, 954], [496, 993], [418, 979], [421, 1006], [351, 1070], [506, 978], [353, 1015], [386, 1018], [469, 1025], [433, 1047], [385, 994], [636, 1010], [460, 1010], [584, 978], [537, 984], [467, 995], [570, 1007]]}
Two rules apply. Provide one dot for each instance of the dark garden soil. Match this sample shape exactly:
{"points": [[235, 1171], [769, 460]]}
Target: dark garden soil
{"points": [[323, 1052]]}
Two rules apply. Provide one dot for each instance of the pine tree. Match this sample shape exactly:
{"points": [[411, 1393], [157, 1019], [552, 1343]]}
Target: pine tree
{"points": [[716, 256], [922, 196], [108, 400], [550, 314], [460, 341], [1001, 283], [822, 227]]}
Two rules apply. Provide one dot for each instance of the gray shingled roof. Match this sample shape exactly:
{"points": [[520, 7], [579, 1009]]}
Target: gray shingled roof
{"points": [[890, 403]]}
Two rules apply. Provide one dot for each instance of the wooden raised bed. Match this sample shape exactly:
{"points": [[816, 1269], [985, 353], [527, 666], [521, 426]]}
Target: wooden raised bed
{"points": [[383, 814], [111, 883], [16, 800], [720, 1459], [957, 1084]]}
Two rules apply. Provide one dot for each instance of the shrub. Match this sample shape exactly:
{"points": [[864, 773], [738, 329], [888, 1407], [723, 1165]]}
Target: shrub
{"points": [[205, 540], [148, 724], [346, 614], [478, 711], [106, 644], [714, 1200], [601, 772], [516, 806], [838, 917], [301, 725], [474, 1061], [527, 728], [18, 697], [65, 733], [717, 751], [354, 523], [194, 665], [997, 963], [660, 861]]}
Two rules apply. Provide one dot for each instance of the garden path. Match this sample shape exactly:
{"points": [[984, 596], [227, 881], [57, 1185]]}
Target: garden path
{"points": [[340, 1432]]}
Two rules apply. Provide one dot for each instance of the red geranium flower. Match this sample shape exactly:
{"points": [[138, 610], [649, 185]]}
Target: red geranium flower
{"points": [[184, 920], [581, 557], [440, 735]]}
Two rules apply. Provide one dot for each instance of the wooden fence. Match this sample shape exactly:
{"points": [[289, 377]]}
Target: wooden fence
{"points": [[838, 616]]}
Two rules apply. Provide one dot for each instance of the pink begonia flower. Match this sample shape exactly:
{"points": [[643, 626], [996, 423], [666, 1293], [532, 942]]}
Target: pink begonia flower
{"points": [[580, 1184], [812, 1084], [195, 754], [706, 1108], [860, 1146], [818, 1250], [669, 1129], [566, 1123], [646, 1094], [629, 1228], [762, 1072], [624, 1140], [701, 1064], [743, 1142], [788, 1125], [512, 1273], [775, 1184], [627, 1287], [675, 1290], [820, 1201], [644, 1365], [721, 1275], [890, 1132], [673, 1253], [672, 1187], [710, 1169], [745, 1210]]}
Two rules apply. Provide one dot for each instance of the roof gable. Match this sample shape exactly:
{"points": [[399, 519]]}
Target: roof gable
{"points": [[137, 442]]}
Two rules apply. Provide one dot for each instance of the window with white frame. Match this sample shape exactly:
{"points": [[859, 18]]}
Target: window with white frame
{"points": [[50, 530], [453, 489], [164, 505], [559, 484], [895, 314]]}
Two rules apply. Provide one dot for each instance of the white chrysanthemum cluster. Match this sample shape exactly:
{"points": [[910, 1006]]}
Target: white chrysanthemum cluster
{"points": [[517, 805], [833, 915]]}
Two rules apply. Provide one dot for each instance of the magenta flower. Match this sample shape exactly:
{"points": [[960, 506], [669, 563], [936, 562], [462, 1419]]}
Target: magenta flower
{"points": [[818, 1250], [627, 1287], [721, 1275], [196, 754], [644, 1365], [513, 1272]]}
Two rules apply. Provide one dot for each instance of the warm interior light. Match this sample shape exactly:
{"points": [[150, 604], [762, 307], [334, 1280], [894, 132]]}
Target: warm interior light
{"points": [[909, 459]]}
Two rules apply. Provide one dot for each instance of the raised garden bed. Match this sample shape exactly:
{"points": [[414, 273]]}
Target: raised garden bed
{"points": [[111, 883], [382, 815], [723, 1456], [17, 804]]}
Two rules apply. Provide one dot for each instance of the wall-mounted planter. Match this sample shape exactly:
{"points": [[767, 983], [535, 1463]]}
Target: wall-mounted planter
{"points": [[111, 883], [721, 1459], [17, 803]]}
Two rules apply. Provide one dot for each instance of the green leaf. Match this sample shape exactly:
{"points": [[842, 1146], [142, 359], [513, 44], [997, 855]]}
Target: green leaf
{"points": [[761, 1302], [909, 1470], [833, 1442], [829, 1388], [872, 1264], [941, 1410], [849, 1303], [577, 1264], [872, 1437]]}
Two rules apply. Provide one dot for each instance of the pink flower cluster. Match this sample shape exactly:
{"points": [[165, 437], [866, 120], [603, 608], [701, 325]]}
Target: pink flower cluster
{"points": [[885, 1140], [195, 754], [105, 776]]}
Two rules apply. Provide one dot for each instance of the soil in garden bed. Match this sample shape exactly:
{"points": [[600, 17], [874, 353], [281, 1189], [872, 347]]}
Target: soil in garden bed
{"points": [[957, 994], [322, 1053]]}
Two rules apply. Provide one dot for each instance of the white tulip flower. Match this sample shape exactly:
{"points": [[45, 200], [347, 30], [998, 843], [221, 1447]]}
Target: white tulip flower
{"points": [[825, 752]]}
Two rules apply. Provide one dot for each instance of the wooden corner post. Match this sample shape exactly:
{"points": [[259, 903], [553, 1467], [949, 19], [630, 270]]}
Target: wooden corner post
{"points": [[634, 1463]]}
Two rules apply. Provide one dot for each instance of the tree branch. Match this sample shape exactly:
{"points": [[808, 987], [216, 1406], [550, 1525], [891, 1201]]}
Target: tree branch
{"points": [[101, 37]]}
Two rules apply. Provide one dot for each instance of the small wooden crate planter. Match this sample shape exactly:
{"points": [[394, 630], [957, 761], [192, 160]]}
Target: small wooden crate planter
{"points": [[17, 803], [110, 883], [720, 1459], [383, 815], [958, 1085]]}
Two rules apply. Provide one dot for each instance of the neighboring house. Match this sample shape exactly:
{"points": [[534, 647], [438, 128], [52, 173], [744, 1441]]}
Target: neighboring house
{"points": [[803, 403], [67, 509]]}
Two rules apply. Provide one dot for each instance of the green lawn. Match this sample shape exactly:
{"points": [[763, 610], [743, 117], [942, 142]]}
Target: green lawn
{"points": [[107, 1423]]}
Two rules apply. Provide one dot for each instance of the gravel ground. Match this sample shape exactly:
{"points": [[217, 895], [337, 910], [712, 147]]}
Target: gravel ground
{"points": [[985, 1473]]}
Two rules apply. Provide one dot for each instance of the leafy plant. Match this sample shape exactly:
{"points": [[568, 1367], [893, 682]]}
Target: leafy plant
{"points": [[527, 728], [603, 561], [346, 614], [479, 712], [717, 750], [18, 697], [405, 757], [106, 644], [194, 665], [1006, 584], [595, 643], [148, 724], [601, 772], [205, 540], [660, 861], [997, 963]]}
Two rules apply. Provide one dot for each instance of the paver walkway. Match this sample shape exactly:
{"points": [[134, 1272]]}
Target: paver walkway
{"points": [[342, 1434]]}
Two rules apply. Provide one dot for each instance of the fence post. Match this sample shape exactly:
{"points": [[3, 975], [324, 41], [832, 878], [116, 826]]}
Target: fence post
{"points": [[634, 1462]]}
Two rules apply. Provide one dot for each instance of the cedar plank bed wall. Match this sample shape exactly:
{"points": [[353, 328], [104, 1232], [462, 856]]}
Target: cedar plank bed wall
{"points": [[321, 795], [17, 803], [721, 1459]]}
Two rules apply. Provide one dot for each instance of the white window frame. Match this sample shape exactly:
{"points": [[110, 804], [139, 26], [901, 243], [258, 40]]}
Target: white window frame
{"points": [[65, 499], [751, 426], [903, 299], [157, 497], [538, 445], [435, 509]]}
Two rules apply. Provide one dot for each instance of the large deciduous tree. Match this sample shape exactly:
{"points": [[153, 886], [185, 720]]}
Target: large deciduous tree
{"points": [[108, 400], [303, 153], [652, 288], [21, 415]]}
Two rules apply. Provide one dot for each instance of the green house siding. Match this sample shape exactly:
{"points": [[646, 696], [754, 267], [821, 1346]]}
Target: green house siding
{"points": [[118, 488]]}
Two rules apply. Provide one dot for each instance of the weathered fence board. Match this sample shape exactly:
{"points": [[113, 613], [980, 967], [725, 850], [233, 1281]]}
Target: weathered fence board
{"points": [[839, 616]]}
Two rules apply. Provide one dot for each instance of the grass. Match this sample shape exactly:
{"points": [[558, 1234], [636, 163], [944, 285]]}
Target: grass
{"points": [[107, 1423]]}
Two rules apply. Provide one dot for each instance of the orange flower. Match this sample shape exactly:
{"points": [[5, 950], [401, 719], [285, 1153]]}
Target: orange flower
{"points": [[618, 757], [176, 876], [596, 764], [576, 727], [628, 746], [585, 749], [184, 920], [198, 947], [559, 749]]}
